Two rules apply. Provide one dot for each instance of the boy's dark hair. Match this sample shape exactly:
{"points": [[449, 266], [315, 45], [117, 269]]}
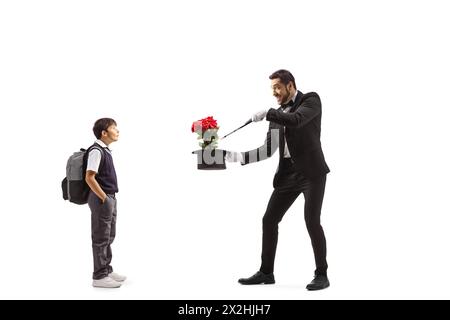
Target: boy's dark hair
{"points": [[102, 124], [284, 76]]}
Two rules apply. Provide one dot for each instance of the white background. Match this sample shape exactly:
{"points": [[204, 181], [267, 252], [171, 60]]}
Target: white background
{"points": [[380, 67]]}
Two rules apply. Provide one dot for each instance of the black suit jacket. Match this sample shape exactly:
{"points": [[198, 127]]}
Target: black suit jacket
{"points": [[302, 133]]}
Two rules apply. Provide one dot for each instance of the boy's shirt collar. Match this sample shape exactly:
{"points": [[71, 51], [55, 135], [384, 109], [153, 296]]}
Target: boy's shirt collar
{"points": [[102, 144]]}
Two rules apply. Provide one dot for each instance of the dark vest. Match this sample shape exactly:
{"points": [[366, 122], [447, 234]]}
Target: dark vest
{"points": [[106, 175]]}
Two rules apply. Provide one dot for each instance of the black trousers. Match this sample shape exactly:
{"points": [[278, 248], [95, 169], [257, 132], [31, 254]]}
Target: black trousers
{"points": [[103, 232], [288, 186]]}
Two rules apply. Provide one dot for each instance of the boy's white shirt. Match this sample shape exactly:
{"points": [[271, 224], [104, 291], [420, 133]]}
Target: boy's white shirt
{"points": [[95, 157]]}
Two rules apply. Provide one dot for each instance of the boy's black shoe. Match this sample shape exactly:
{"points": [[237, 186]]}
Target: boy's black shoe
{"points": [[258, 278]]}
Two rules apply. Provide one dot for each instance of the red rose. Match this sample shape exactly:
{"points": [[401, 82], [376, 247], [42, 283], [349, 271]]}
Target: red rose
{"points": [[210, 123], [197, 126], [204, 124]]}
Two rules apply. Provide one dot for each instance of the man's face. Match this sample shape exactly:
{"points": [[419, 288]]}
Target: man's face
{"points": [[280, 91], [112, 133]]}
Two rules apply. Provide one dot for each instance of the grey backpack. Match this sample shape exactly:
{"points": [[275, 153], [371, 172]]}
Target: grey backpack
{"points": [[74, 186]]}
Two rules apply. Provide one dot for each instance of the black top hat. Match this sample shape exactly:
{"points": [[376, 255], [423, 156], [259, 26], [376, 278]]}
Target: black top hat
{"points": [[210, 159]]}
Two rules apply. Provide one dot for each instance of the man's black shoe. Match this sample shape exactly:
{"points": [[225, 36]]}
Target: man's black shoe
{"points": [[258, 278], [319, 282]]}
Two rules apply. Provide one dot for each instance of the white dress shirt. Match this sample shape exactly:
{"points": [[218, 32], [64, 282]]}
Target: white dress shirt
{"points": [[95, 157], [286, 149]]}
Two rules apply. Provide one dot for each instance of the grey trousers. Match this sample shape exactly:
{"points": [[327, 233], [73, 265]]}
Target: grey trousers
{"points": [[103, 232]]}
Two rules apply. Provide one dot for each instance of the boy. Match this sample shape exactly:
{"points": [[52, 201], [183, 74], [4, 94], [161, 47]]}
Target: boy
{"points": [[102, 180]]}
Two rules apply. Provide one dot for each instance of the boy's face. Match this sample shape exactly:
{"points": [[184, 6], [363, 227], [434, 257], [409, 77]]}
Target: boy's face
{"points": [[111, 134]]}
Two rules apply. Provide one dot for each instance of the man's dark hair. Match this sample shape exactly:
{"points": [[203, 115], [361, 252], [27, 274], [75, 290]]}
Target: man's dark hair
{"points": [[284, 76], [102, 124]]}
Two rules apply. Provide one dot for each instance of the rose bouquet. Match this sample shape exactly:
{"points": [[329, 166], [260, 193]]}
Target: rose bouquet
{"points": [[206, 130], [209, 157]]}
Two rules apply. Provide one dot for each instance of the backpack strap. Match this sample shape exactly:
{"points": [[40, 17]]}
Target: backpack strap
{"points": [[102, 158]]}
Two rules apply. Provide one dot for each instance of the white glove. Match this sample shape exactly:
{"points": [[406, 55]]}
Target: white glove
{"points": [[232, 156], [260, 115]]}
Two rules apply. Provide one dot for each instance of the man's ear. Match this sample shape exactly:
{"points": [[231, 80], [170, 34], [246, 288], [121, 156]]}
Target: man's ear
{"points": [[290, 86]]}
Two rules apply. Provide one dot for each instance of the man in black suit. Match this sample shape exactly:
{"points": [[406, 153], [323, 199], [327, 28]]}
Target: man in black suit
{"points": [[295, 129]]}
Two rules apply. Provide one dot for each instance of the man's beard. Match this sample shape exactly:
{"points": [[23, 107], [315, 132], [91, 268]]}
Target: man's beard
{"points": [[284, 99]]}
